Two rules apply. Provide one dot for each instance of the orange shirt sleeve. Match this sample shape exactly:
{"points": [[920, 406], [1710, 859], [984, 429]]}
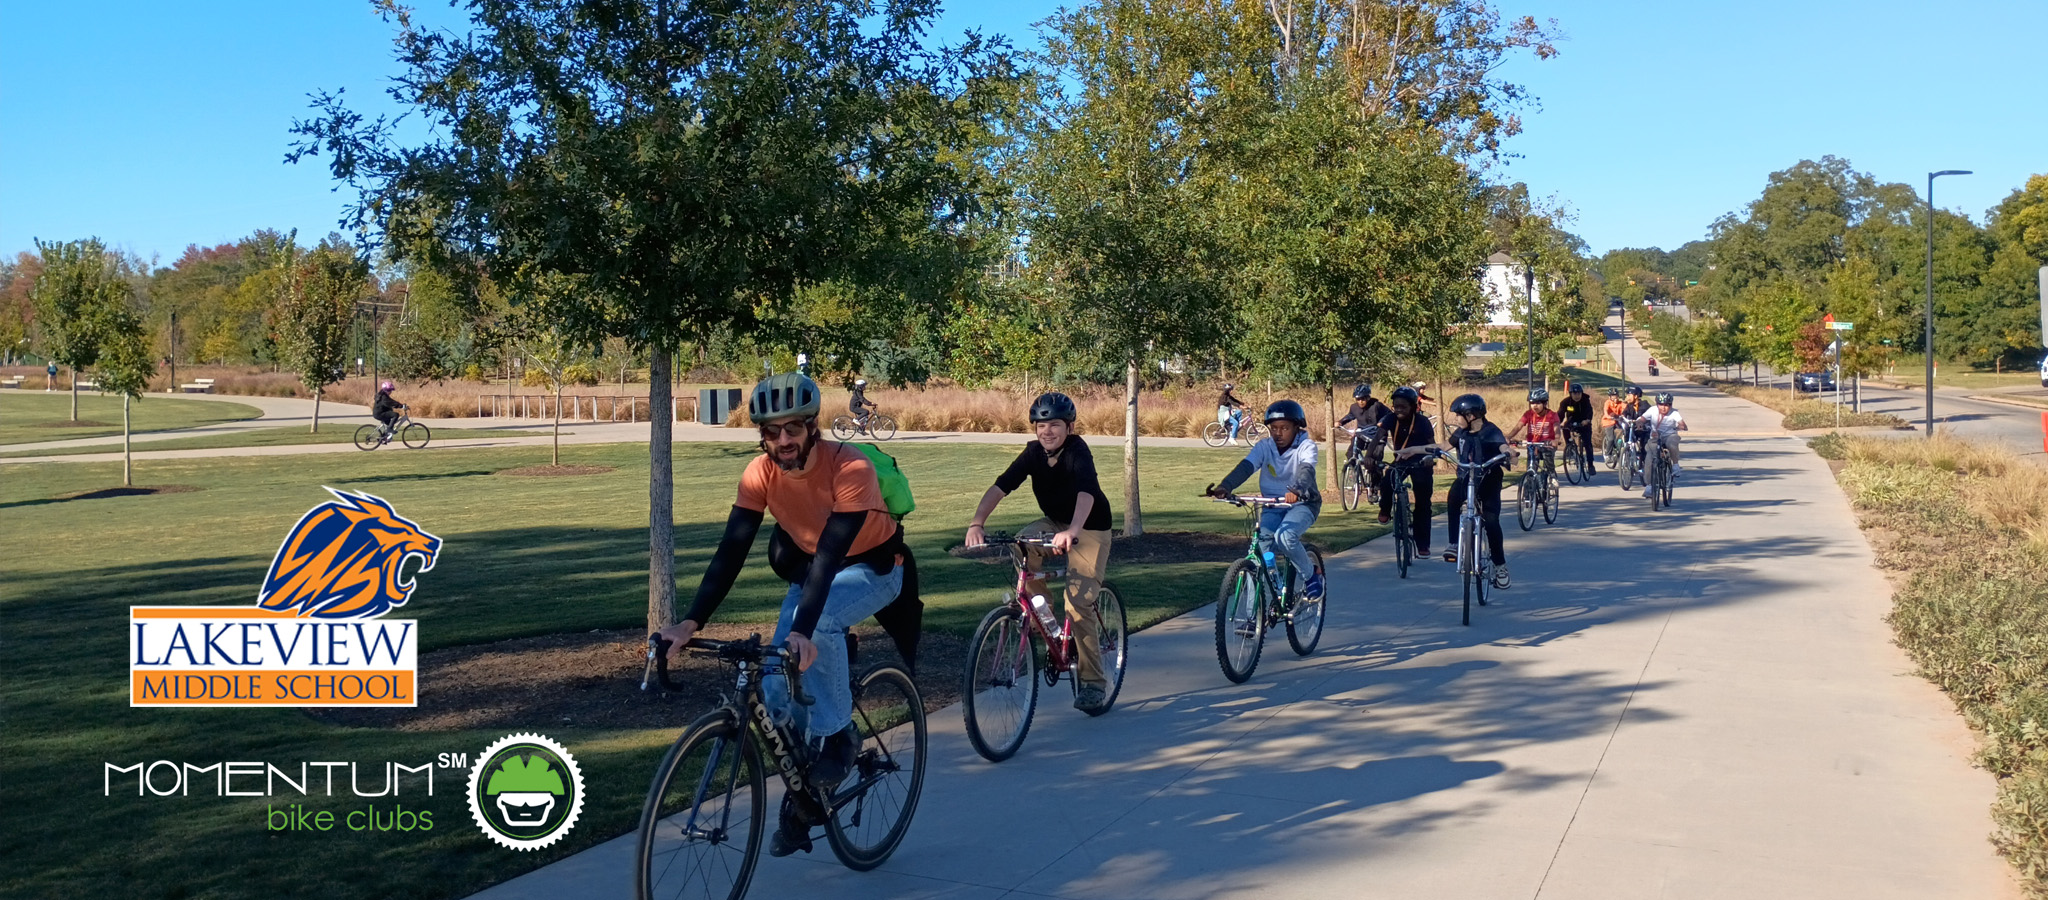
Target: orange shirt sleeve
{"points": [[856, 488], [754, 486]]}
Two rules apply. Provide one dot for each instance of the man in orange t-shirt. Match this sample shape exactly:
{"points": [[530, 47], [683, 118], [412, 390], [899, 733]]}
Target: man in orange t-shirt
{"points": [[848, 565]]}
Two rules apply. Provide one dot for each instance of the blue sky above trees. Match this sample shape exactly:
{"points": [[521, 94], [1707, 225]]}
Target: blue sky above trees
{"points": [[154, 126]]}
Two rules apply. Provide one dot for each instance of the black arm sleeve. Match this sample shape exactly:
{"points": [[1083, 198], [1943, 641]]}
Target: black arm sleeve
{"points": [[840, 530], [1237, 475], [740, 527], [1013, 477]]}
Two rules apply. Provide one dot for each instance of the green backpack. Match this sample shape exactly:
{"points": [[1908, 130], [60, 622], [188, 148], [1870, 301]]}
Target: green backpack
{"points": [[895, 487]]}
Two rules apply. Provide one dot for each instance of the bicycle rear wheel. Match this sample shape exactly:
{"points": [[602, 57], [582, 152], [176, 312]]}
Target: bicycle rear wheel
{"points": [[871, 813], [1215, 434], [415, 436], [1351, 484], [1305, 619], [881, 427], [700, 827], [1000, 690], [1240, 621], [1114, 639], [366, 438], [1404, 536], [842, 428], [1525, 500]]}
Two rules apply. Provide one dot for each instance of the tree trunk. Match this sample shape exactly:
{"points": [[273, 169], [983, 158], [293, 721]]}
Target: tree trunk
{"points": [[127, 449], [661, 534], [74, 393], [556, 458], [316, 409], [1134, 514], [1332, 462]]}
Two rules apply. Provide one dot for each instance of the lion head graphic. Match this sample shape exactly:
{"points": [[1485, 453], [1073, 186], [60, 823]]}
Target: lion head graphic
{"points": [[343, 560]]}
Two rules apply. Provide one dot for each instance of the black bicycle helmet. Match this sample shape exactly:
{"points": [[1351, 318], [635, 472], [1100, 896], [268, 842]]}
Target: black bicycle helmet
{"points": [[1407, 393], [1289, 410], [1362, 391], [1469, 404], [1614, 392], [1052, 405], [1664, 399], [1635, 390], [1539, 395], [782, 396]]}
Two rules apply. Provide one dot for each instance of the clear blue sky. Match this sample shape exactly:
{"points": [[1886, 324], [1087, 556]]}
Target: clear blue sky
{"points": [[157, 125]]}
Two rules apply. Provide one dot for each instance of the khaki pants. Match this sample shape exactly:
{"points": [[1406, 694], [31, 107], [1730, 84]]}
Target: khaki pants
{"points": [[1087, 561]]}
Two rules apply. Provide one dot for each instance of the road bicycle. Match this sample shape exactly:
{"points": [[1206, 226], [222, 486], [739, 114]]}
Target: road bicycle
{"points": [[411, 433], [1259, 592], [702, 822], [1627, 472], [1217, 434], [1475, 563], [1538, 490], [1659, 480], [1360, 477], [1021, 642], [877, 426], [1578, 458]]}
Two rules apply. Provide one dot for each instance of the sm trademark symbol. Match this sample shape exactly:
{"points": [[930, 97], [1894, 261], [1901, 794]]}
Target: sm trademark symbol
{"points": [[454, 760]]}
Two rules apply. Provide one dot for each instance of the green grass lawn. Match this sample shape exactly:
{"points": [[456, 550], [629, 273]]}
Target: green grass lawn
{"points": [[330, 433], [1911, 369], [31, 416], [521, 556]]}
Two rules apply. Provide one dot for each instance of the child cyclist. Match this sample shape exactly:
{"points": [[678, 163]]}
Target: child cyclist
{"points": [[1541, 422], [1062, 473], [385, 409], [1286, 463], [1474, 439]]}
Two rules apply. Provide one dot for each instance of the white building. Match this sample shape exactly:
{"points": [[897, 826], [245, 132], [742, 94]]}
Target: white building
{"points": [[1502, 284]]}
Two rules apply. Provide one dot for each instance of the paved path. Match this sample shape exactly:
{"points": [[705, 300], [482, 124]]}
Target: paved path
{"points": [[1700, 703]]}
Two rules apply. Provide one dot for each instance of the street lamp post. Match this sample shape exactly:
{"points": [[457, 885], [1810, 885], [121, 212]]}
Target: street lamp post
{"points": [[1928, 339], [1529, 324]]}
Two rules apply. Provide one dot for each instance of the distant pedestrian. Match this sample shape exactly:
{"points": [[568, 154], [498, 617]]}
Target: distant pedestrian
{"points": [[50, 383]]}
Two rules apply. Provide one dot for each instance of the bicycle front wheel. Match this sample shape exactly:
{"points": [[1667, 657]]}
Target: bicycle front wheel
{"points": [[1525, 499], [1573, 465], [1669, 482], [1551, 494], [415, 436], [700, 827], [366, 438], [1114, 639], [1215, 434], [882, 427], [1404, 537], [1253, 432], [1352, 483], [871, 813], [1240, 621], [1468, 564], [1305, 620], [1001, 690]]}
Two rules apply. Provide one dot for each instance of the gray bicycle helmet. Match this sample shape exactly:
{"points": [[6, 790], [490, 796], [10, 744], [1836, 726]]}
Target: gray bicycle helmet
{"points": [[1469, 404], [1052, 405], [1362, 391], [1539, 395], [783, 396], [1407, 393], [1664, 399], [1289, 410]]}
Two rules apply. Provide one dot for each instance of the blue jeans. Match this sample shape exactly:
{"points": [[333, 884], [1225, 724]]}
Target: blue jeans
{"points": [[856, 593], [1285, 527]]}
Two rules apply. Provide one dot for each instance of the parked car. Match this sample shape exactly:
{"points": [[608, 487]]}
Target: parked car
{"points": [[1814, 381]]}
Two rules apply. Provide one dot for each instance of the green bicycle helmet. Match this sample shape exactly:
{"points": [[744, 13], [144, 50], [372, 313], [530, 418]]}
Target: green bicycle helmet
{"points": [[783, 396]]}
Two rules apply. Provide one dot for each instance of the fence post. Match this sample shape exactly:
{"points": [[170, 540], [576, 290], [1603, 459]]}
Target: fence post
{"points": [[633, 411]]}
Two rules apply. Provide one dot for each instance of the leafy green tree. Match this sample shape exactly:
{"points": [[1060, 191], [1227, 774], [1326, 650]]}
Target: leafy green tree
{"points": [[78, 298], [1433, 63], [549, 352], [692, 164], [314, 307], [125, 367]]}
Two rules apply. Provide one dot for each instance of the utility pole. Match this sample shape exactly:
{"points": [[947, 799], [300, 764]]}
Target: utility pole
{"points": [[173, 388], [1529, 324], [1929, 340]]}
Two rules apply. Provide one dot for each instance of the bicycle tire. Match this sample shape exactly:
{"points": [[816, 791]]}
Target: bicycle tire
{"points": [[1466, 563], [366, 438], [1305, 616], [1114, 637], [1670, 483], [842, 428], [1243, 592], [1350, 484], [1215, 435], [1650, 479], [1525, 504], [730, 763], [999, 655], [1551, 494], [1404, 536], [1253, 432], [1574, 467], [888, 770], [416, 436], [881, 427]]}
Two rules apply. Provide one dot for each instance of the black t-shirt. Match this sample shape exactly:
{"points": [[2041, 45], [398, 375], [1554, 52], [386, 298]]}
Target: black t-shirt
{"points": [[1418, 431], [1229, 399], [1479, 446], [1059, 483], [383, 405], [1368, 412], [1576, 410]]}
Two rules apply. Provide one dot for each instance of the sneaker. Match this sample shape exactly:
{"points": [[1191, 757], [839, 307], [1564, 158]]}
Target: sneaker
{"points": [[1676, 470], [1500, 577], [1386, 517], [1421, 553], [835, 759], [791, 834], [1090, 697], [1450, 556], [1312, 587]]}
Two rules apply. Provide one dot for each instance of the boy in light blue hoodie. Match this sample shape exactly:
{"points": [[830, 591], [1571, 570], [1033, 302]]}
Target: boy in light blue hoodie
{"points": [[1286, 463]]}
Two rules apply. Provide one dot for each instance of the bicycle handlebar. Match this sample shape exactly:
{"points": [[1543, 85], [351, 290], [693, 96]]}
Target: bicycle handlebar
{"points": [[749, 650], [1503, 456], [1251, 500]]}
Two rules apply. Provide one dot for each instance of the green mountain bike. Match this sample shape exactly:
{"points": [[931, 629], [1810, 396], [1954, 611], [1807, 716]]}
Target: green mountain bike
{"points": [[1259, 592]]}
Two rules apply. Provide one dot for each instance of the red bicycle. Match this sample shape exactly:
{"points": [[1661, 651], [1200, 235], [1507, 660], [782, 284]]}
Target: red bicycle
{"points": [[1024, 641]]}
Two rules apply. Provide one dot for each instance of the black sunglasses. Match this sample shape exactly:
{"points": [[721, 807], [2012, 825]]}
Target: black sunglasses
{"points": [[793, 429]]}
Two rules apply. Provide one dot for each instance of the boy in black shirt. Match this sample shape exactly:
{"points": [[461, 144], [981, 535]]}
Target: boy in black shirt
{"points": [[1408, 432], [1577, 412], [1474, 439], [1062, 473]]}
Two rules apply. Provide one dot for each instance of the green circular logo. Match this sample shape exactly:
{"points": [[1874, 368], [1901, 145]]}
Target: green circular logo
{"points": [[525, 791]]}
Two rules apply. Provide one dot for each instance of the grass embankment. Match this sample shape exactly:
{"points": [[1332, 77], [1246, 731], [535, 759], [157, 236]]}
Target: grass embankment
{"points": [[329, 433], [520, 557], [1965, 527], [29, 417], [1800, 411]]}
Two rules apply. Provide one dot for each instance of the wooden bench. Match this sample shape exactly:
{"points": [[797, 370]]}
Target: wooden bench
{"points": [[198, 386], [87, 385], [13, 381]]}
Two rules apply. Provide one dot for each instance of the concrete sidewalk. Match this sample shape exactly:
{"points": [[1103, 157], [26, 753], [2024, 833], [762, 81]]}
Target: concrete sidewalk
{"points": [[1697, 703]]}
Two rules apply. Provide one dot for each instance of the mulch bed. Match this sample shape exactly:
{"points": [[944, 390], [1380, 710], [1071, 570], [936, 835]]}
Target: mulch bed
{"points": [[550, 471]]}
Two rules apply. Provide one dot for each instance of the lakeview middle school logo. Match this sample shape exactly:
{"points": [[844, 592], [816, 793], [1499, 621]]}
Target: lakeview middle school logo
{"points": [[316, 636]]}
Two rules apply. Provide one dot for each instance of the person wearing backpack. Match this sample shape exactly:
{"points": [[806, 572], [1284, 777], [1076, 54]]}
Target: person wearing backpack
{"points": [[1062, 473], [840, 548]]}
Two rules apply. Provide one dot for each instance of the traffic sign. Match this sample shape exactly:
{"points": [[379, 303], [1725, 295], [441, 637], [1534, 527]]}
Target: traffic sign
{"points": [[1842, 326]]}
